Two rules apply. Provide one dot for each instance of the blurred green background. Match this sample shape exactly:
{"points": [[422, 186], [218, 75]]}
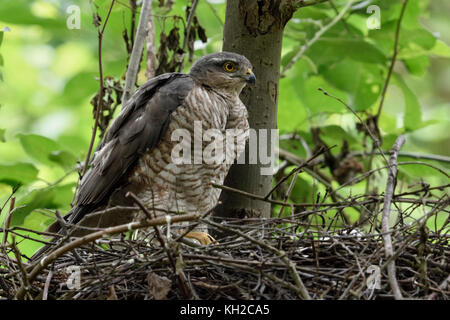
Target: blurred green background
{"points": [[49, 74]]}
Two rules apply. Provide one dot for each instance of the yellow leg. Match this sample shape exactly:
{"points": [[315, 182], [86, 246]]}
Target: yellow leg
{"points": [[202, 237]]}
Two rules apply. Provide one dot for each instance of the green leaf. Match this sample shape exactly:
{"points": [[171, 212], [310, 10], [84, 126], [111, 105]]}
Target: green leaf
{"points": [[362, 81], [45, 150], [314, 100], [411, 16], [389, 140], [19, 12], [63, 158], [333, 134], [412, 118], [310, 13], [417, 37], [291, 112], [388, 124], [2, 135], [441, 49], [412, 42], [55, 197], [288, 56], [327, 50], [18, 173], [301, 191], [1, 37], [38, 147], [418, 65], [78, 88]]}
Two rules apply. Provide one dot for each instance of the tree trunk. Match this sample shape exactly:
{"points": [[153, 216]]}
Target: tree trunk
{"points": [[254, 28]]}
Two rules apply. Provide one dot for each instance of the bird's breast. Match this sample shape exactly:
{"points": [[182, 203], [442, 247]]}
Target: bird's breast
{"points": [[205, 135]]}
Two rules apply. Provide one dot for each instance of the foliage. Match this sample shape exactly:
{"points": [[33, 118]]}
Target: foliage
{"points": [[50, 75]]}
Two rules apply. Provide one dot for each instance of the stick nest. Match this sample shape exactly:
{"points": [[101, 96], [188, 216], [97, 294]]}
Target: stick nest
{"points": [[260, 259]]}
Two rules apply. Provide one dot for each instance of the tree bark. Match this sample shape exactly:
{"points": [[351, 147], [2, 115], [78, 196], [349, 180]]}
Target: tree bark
{"points": [[254, 28]]}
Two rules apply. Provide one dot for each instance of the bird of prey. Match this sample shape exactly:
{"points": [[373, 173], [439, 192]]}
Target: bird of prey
{"points": [[136, 154]]}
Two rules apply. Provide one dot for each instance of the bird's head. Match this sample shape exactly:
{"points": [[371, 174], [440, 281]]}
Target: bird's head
{"points": [[224, 71]]}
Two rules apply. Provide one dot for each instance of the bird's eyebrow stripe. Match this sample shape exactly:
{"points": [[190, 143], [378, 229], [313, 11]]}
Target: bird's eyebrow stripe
{"points": [[221, 60]]}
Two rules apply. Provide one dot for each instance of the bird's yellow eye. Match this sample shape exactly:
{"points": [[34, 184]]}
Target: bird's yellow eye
{"points": [[229, 66]]}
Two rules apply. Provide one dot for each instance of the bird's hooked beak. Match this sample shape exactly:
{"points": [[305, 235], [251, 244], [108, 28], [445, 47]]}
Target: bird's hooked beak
{"points": [[250, 77]]}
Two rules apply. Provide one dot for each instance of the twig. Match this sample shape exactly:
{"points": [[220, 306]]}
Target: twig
{"points": [[46, 260], [296, 170], [303, 292], [136, 53], [61, 222], [394, 58], [442, 286], [158, 233], [100, 93], [25, 279], [389, 194], [262, 198], [151, 46], [386, 85], [376, 141], [305, 204], [414, 155], [288, 194], [187, 31], [425, 164], [47, 285], [7, 222], [284, 283], [422, 220]]}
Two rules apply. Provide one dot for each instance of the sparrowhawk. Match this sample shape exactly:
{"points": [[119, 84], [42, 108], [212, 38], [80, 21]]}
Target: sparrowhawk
{"points": [[136, 153]]}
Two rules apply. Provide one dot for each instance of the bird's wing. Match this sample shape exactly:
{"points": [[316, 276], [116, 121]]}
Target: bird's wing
{"points": [[138, 128]]}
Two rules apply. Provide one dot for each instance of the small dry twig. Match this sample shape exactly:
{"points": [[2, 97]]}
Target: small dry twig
{"points": [[389, 194]]}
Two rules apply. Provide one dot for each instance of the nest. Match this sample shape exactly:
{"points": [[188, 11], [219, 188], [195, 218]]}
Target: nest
{"points": [[311, 251], [260, 259]]}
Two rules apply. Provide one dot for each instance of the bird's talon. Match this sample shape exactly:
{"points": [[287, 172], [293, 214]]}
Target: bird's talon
{"points": [[202, 237]]}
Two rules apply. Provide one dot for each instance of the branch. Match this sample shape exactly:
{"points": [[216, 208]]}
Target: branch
{"points": [[7, 222], [136, 54], [187, 291], [389, 194], [46, 260], [300, 287], [386, 84], [100, 94], [298, 169], [394, 58], [414, 155], [25, 279], [376, 142], [187, 31], [442, 286], [306, 3], [151, 47]]}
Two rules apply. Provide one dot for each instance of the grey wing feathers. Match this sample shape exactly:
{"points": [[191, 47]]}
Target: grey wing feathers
{"points": [[140, 126]]}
